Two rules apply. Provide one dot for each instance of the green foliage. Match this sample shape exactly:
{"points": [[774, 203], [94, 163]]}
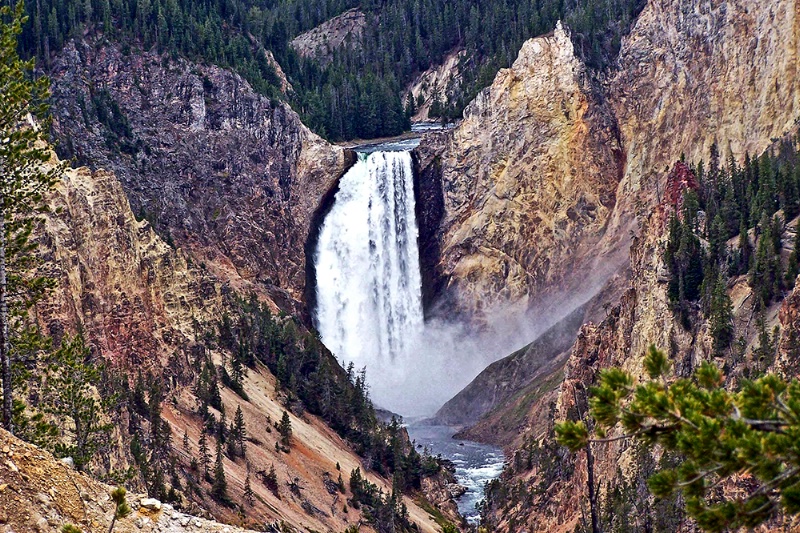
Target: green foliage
{"points": [[385, 513], [69, 394], [219, 488], [285, 429], [23, 182], [270, 480], [720, 435], [306, 371], [70, 528], [358, 92], [121, 507], [684, 260], [734, 198], [721, 316], [150, 435]]}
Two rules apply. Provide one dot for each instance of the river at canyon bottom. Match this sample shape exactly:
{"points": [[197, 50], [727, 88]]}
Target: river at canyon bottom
{"points": [[476, 464]]}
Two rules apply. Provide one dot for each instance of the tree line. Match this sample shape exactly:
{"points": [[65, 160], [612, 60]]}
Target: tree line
{"points": [[359, 92], [733, 224]]}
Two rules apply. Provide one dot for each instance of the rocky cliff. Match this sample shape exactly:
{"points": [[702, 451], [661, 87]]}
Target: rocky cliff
{"points": [[539, 190], [528, 183], [694, 73], [136, 297], [322, 42], [230, 177], [146, 308]]}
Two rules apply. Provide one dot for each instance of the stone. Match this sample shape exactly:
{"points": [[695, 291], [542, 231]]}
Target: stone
{"points": [[41, 525], [150, 504], [69, 461]]}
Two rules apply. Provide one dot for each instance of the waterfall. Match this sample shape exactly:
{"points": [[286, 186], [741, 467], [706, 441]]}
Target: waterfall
{"points": [[369, 298]]}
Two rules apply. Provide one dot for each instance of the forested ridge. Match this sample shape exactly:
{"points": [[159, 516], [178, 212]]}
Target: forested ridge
{"points": [[359, 93]]}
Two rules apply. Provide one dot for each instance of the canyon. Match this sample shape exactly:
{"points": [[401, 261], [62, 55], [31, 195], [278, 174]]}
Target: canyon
{"points": [[544, 211]]}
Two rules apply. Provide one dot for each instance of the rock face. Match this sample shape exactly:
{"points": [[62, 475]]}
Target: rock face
{"points": [[694, 73], [227, 175], [439, 80], [321, 42], [136, 297], [528, 182], [549, 172]]}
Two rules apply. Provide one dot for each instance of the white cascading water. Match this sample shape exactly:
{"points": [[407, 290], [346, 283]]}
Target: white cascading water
{"points": [[369, 297]]}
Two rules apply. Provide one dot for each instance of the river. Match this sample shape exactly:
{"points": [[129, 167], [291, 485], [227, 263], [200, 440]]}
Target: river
{"points": [[475, 463]]}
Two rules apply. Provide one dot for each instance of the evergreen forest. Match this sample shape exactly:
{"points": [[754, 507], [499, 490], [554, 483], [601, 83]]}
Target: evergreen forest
{"points": [[359, 93]]}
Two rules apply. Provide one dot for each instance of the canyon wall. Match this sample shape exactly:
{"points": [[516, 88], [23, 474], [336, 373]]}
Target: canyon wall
{"points": [[528, 183], [690, 74], [694, 73], [551, 171], [531, 204], [231, 177]]}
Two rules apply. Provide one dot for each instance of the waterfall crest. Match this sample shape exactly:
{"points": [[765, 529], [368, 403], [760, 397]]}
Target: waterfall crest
{"points": [[369, 297]]}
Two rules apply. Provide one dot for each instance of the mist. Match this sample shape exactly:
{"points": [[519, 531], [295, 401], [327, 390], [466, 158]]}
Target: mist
{"points": [[369, 297]]}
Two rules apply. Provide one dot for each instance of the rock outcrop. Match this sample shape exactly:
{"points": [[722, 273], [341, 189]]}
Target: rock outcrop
{"points": [[528, 183], [321, 42], [229, 176], [136, 297], [440, 81], [40, 494]]}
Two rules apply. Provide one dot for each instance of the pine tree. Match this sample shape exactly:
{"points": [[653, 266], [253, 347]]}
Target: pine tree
{"points": [[230, 444], [219, 489], [285, 429], [248, 490], [121, 507], [271, 481], [745, 248], [68, 394], [23, 182], [793, 266], [205, 459], [719, 435], [721, 319], [240, 431]]}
